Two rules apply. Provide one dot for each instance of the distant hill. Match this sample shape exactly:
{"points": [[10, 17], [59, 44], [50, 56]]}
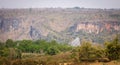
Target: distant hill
{"points": [[63, 25]]}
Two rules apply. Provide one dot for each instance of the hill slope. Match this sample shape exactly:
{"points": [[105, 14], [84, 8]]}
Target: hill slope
{"points": [[63, 25]]}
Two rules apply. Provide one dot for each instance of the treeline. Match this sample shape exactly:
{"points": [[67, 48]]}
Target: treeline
{"points": [[15, 48]]}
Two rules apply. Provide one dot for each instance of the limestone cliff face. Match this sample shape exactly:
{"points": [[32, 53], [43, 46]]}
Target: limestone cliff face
{"points": [[60, 24], [98, 27]]}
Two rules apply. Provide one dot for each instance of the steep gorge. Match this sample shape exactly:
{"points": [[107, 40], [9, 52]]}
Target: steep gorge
{"points": [[59, 24]]}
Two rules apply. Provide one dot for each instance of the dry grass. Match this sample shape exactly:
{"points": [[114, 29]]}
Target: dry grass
{"points": [[62, 59]]}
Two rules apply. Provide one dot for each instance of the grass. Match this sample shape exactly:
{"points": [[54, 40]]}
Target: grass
{"points": [[59, 59], [63, 59]]}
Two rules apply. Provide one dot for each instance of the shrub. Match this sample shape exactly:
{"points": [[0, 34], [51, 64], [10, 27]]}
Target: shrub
{"points": [[52, 51], [89, 52], [113, 49]]}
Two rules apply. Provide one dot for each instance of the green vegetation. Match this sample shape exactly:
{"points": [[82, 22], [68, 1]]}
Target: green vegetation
{"points": [[92, 52], [40, 46], [28, 46], [45, 52], [113, 49], [89, 52]]}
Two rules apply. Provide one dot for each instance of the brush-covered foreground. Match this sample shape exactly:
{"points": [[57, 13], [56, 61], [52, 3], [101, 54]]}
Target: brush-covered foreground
{"points": [[41, 52], [59, 59]]}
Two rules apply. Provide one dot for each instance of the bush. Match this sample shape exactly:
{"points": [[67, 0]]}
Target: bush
{"points": [[11, 53], [113, 49], [52, 51], [89, 52], [10, 43]]}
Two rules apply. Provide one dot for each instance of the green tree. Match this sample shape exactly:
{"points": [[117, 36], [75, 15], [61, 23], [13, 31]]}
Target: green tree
{"points": [[10, 43], [113, 49], [89, 52], [4, 52], [10, 53], [52, 51]]}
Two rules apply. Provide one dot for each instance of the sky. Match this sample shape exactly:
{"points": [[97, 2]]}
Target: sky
{"points": [[60, 3]]}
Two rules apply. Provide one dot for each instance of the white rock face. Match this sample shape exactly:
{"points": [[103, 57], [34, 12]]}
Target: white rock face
{"points": [[75, 42]]}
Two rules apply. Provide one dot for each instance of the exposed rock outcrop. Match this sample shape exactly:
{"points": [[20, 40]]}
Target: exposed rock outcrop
{"points": [[60, 24]]}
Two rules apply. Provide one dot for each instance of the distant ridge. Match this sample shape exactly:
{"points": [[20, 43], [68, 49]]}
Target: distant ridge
{"points": [[60, 24]]}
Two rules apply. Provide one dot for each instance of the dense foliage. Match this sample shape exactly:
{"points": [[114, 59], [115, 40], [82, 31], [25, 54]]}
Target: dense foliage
{"points": [[92, 52], [113, 49], [87, 51], [29, 46], [46, 52]]}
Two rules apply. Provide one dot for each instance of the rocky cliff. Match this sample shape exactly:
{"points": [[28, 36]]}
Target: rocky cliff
{"points": [[98, 27], [59, 24]]}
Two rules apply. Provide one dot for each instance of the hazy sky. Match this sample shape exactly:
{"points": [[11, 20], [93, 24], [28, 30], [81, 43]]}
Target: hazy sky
{"points": [[59, 3]]}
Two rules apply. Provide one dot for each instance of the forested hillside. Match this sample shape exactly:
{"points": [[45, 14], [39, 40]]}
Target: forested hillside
{"points": [[60, 24]]}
